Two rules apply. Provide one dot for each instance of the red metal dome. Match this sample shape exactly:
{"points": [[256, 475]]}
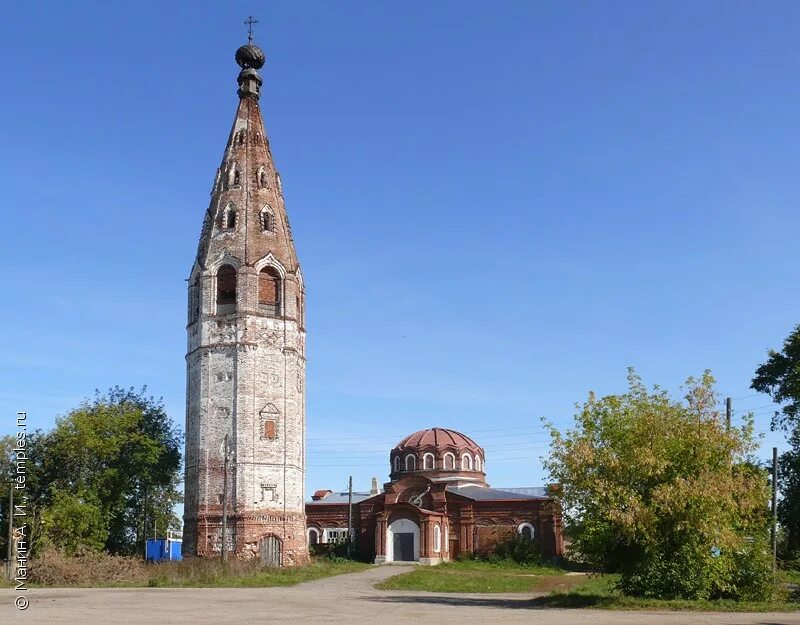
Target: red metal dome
{"points": [[438, 451], [438, 438]]}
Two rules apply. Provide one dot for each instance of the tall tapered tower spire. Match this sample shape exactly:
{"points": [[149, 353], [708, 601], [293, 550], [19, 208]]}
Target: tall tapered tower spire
{"points": [[246, 354]]}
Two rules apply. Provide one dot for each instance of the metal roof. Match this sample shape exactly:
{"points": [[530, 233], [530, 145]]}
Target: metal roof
{"points": [[340, 498], [480, 493]]}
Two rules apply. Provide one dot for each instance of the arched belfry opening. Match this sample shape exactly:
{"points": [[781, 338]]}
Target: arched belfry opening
{"points": [[226, 290], [269, 291]]}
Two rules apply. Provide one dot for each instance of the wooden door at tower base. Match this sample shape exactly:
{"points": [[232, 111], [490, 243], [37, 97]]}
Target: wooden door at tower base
{"points": [[271, 551]]}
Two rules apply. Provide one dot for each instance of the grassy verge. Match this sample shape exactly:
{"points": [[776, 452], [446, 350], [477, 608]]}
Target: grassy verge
{"points": [[169, 576], [598, 592], [56, 570], [473, 576]]}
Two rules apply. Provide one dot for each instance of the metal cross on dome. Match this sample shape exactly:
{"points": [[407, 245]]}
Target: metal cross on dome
{"points": [[249, 23]]}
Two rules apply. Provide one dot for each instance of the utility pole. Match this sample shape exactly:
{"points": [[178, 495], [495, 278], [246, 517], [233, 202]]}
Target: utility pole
{"points": [[774, 532], [10, 547], [350, 517], [728, 413], [144, 520], [224, 547]]}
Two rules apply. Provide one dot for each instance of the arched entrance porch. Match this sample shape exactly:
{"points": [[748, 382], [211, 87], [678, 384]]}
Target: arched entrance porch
{"points": [[402, 541]]}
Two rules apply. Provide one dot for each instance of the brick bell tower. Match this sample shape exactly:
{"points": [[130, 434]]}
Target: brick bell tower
{"points": [[245, 365]]}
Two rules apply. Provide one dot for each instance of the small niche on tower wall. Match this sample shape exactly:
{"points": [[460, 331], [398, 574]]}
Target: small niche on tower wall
{"points": [[269, 422]]}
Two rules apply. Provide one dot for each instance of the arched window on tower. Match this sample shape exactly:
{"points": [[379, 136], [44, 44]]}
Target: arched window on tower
{"points": [[449, 461], [397, 464], [437, 538], [298, 302], [269, 291], [411, 463], [466, 462], [194, 301], [427, 461], [261, 178], [232, 179], [477, 463], [226, 290], [267, 220], [228, 218]]}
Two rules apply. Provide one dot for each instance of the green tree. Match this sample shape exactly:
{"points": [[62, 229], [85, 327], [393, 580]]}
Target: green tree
{"points": [[74, 522], [789, 504], [35, 486], [779, 377], [660, 492], [121, 451]]}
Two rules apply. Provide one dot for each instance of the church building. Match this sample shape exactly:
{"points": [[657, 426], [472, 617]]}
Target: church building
{"points": [[245, 361], [436, 505]]}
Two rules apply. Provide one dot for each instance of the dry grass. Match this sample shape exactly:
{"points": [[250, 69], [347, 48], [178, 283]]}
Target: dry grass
{"points": [[54, 569]]}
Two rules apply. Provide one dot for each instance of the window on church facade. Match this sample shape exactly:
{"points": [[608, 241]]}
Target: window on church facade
{"points": [[397, 464], [526, 531], [437, 538], [449, 461], [335, 535], [411, 463], [427, 461], [226, 290], [466, 462], [270, 430], [269, 290], [262, 178]]}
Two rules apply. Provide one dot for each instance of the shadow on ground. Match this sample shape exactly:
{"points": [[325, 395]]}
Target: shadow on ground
{"points": [[521, 603], [476, 602]]}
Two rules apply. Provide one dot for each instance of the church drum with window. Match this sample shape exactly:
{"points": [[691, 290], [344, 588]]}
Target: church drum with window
{"points": [[436, 505]]}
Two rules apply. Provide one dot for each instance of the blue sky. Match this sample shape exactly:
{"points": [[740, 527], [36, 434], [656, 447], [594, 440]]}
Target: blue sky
{"points": [[498, 206]]}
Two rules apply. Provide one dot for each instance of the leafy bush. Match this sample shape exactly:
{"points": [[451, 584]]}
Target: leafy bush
{"points": [[663, 493], [517, 549], [74, 522]]}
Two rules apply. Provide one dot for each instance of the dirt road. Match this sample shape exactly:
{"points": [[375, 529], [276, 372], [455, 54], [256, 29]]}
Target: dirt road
{"points": [[347, 599]]}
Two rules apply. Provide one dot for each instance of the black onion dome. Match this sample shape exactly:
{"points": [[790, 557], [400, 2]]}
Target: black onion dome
{"points": [[250, 57]]}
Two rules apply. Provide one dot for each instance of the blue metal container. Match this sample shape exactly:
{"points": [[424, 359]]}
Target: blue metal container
{"points": [[163, 549]]}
